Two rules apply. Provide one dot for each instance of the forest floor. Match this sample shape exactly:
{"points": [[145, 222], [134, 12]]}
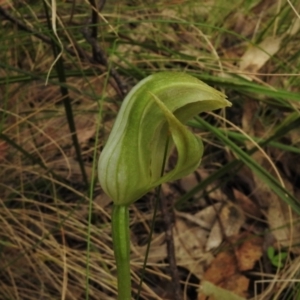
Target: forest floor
{"points": [[65, 67]]}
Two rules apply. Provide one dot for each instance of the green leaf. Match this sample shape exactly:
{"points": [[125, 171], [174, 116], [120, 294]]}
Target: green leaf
{"points": [[277, 260], [271, 252], [217, 293], [155, 110]]}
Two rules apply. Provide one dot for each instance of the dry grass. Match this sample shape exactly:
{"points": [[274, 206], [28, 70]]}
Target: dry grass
{"points": [[55, 231]]}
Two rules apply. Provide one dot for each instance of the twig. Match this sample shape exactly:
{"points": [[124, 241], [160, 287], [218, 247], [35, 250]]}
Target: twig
{"points": [[98, 54], [22, 26], [101, 58], [168, 217], [94, 22], [60, 69], [42, 37]]}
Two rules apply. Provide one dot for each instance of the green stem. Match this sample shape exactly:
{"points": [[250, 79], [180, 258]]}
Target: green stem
{"points": [[121, 242]]}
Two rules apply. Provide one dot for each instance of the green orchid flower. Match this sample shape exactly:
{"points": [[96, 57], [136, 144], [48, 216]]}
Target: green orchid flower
{"points": [[130, 164]]}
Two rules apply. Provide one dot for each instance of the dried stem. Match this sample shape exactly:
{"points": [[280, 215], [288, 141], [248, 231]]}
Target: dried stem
{"points": [[168, 217]]}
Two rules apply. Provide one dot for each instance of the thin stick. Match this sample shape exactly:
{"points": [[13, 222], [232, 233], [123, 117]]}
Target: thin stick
{"points": [[99, 54], [101, 57], [22, 26], [153, 222], [94, 22], [168, 217]]}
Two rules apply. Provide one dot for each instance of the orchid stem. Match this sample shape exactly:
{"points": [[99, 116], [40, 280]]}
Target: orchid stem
{"points": [[121, 244]]}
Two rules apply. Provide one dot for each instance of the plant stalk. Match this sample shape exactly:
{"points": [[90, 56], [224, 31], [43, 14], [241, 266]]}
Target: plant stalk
{"points": [[121, 244]]}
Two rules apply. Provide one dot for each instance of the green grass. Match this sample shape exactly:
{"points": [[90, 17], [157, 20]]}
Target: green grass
{"points": [[55, 224]]}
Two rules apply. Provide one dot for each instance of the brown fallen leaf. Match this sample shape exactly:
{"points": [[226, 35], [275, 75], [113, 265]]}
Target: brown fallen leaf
{"points": [[189, 182], [205, 217], [225, 270], [228, 224], [189, 242], [256, 57], [249, 253], [247, 205], [222, 267], [238, 284]]}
